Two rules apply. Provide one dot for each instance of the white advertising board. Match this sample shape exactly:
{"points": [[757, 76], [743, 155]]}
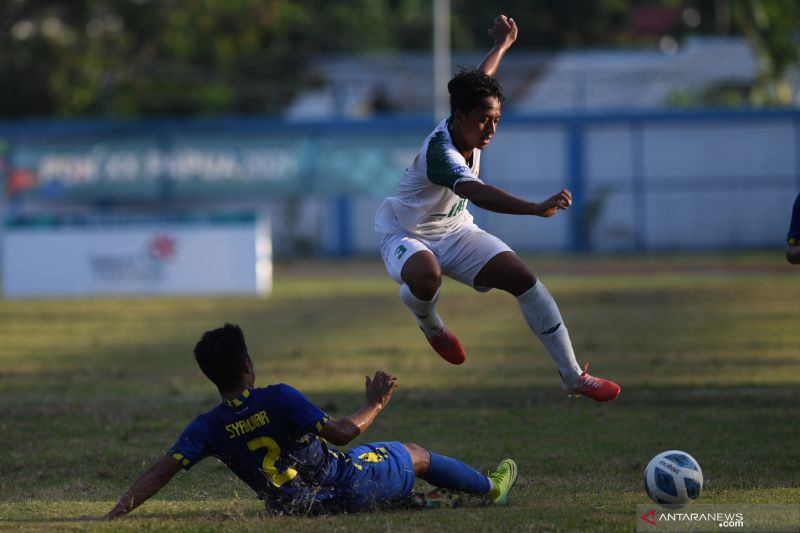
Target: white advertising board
{"points": [[138, 258]]}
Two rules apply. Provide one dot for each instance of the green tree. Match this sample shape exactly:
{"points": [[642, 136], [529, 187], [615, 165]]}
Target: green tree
{"points": [[95, 57], [772, 27], [129, 58], [149, 57], [544, 23]]}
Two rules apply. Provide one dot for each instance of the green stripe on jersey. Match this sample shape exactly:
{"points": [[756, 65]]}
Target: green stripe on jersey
{"points": [[442, 170]]}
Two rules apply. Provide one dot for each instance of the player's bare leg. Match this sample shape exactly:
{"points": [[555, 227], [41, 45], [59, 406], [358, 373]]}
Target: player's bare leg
{"points": [[506, 271], [422, 277]]}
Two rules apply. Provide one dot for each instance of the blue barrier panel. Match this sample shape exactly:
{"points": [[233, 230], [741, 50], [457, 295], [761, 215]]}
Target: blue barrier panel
{"points": [[158, 161], [667, 179]]}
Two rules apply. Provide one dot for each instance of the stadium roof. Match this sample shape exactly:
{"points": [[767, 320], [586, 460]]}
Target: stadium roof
{"points": [[639, 79], [570, 80]]}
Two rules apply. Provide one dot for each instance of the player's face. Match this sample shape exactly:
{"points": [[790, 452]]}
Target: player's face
{"points": [[477, 127]]}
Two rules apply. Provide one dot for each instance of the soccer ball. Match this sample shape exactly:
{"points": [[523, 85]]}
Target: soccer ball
{"points": [[673, 477]]}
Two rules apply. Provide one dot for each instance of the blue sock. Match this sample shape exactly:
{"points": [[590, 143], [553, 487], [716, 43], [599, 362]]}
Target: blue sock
{"points": [[449, 473]]}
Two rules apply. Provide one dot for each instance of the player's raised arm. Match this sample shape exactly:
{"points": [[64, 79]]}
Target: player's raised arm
{"points": [[503, 33], [379, 390], [149, 483]]}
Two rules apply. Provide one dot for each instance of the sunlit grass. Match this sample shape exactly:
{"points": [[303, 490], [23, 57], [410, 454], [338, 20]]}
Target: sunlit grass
{"points": [[704, 346]]}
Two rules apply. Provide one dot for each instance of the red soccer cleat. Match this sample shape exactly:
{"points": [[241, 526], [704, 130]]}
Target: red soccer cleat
{"points": [[598, 389], [448, 347]]}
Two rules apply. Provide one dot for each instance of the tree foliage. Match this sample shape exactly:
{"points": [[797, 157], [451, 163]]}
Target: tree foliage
{"points": [[772, 27], [128, 58]]}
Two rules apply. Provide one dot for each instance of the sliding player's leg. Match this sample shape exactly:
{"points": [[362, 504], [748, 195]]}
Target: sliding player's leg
{"points": [[454, 478], [381, 473]]}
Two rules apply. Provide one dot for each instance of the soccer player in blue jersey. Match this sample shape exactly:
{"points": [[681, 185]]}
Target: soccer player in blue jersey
{"points": [[427, 230], [277, 441], [793, 237]]}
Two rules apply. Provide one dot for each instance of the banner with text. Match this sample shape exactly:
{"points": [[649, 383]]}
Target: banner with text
{"points": [[156, 167], [137, 257]]}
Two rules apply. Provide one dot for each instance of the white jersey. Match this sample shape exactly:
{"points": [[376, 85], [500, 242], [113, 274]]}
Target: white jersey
{"points": [[425, 204]]}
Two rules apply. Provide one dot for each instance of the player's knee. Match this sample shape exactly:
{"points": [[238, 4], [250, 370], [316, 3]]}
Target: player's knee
{"points": [[424, 282], [526, 279], [420, 457], [429, 284], [520, 281]]}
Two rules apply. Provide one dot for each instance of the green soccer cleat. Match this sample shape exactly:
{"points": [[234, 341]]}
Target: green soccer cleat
{"points": [[503, 479]]}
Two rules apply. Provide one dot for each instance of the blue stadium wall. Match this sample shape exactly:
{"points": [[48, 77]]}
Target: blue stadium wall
{"points": [[705, 179]]}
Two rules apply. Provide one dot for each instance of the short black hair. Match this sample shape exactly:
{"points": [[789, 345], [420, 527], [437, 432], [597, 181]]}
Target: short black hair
{"points": [[221, 354], [469, 87]]}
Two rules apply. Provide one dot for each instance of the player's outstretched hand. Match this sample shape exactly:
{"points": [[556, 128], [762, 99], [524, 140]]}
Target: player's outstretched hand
{"points": [[504, 31], [552, 205], [380, 387]]}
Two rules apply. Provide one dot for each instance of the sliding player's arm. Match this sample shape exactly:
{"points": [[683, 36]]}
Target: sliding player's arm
{"points": [[495, 199], [150, 482], [379, 391], [503, 33]]}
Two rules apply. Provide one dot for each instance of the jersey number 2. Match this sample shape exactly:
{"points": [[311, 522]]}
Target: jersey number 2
{"points": [[273, 452]]}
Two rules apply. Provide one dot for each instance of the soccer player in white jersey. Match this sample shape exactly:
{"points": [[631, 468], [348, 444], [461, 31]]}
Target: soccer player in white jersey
{"points": [[427, 230]]}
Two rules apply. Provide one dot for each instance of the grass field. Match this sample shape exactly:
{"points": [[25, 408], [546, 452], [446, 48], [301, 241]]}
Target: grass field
{"points": [[704, 346]]}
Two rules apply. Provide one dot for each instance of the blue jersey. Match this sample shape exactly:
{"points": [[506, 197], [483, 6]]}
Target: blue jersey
{"points": [[269, 438]]}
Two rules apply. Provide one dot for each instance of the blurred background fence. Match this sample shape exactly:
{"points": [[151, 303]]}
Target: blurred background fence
{"points": [[642, 181], [141, 139]]}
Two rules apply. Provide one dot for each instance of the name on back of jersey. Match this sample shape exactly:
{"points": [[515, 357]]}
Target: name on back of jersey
{"points": [[248, 425]]}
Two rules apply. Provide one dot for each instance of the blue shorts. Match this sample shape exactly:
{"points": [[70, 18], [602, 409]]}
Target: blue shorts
{"points": [[377, 472]]}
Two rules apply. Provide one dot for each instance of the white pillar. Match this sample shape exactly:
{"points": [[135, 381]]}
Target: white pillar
{"points": [[441, 58]]}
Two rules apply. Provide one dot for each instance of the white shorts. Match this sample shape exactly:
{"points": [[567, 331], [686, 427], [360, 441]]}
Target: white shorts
{"points": [[461, 254]]}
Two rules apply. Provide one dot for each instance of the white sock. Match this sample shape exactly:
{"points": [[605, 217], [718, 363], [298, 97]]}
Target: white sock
{"points": [[424, 311], [542, 315]]}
